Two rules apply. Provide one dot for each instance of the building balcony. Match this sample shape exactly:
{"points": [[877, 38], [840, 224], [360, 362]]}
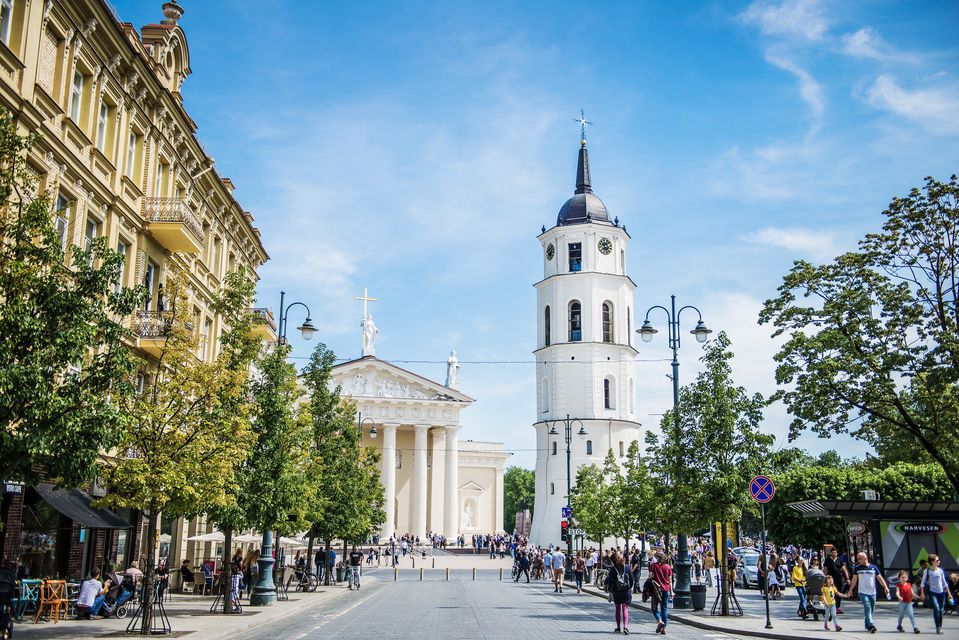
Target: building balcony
{"points": [[173, 224], [264, 326], [151, 328]]}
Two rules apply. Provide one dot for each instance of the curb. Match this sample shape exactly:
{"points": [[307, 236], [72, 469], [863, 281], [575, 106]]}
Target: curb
{"points": [[694, 621], [256, 622]]}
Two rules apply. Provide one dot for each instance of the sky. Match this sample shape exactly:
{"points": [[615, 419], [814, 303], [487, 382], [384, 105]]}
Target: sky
{"points": [[417, 149]]}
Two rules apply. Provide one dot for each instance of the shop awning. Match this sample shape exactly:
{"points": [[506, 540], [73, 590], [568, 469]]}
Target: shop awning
{"points": [[893, 510], [75, 504]]}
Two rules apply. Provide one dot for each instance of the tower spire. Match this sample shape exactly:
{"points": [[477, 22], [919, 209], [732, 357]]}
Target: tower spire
{"points": [[583, 184]]}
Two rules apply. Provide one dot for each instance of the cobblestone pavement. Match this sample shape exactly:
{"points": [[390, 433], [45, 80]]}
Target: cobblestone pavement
{"points": [[463, 609]]}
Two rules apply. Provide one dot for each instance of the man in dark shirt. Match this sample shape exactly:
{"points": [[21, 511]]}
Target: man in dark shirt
{"points": [[833, 566], [356, 559]]}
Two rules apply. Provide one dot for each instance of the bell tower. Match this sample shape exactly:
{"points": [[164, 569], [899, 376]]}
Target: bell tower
{"points": [[585, 358]]}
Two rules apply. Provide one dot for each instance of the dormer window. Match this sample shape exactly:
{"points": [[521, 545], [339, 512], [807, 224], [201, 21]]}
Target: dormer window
{"points": [[575, 256]]}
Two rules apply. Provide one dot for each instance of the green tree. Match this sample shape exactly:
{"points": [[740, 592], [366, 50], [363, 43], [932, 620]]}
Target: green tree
{"points": [[186, 434], [349, 497], [590, 502], [719, 446], [64, 369], [519, 492], [634, 493], [873, 347]]}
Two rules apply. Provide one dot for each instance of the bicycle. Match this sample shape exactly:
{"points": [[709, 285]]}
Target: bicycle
{"points": [[353, 578], [600, 582], [514, 574], [305, 581]]}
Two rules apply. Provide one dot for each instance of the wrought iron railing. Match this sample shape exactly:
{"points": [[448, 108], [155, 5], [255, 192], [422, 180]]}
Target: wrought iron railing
{"points": [[152, 324], [172, 210], [262, 315]]}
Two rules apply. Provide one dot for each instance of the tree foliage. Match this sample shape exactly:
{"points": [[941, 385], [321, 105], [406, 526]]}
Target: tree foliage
{"points": [[873, 337], [64, 369], [706, 464], [590, 501], [519, 492]]}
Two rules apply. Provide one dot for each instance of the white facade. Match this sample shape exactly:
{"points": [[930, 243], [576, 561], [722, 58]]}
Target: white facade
{"points": [[433, 480], [585, 369]]}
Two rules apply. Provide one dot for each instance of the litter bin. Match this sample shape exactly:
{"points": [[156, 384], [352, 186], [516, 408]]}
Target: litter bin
{"points": [[339, 578], [698, 594]]}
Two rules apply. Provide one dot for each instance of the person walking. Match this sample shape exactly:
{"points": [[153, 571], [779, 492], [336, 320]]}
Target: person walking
{"points": [[579, 570], [905, 596], [835, 568], [829, 599], [799, 581], [661, 575], [935, 579], [866, 575], [559, 567], [815, 580], [523, 567], [619, 586]]}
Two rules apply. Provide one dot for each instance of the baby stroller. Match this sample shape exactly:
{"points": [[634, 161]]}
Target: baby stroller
{"points": [[121, 607], [8, 588]]}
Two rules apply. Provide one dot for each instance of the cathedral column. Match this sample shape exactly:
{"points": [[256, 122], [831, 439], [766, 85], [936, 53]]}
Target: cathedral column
{"points": [[389, 480], [498, 498], [437, 480], [419, 480], [451, 510]]}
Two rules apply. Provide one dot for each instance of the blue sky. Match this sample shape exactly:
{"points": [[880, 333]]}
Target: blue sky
{"points": [[417, 149]]}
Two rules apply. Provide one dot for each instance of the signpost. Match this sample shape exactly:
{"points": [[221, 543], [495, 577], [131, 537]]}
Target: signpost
{"points": [[856, 528], [567, 512], [762, 491]]}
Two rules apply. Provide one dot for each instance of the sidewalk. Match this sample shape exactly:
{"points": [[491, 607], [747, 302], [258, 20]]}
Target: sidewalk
{"points": [[787, 625], [189, 614]]}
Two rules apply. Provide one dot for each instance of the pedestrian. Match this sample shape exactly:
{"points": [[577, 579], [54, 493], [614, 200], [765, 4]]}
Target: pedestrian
{"points": [[559, 566], [523, 567], [661, 575], [634, 567], [830, 598], [866, 575], [799, 581], [590, 561], [90, 591], [773, 577], [935, 579], [579, 571], [837, 569], [710, 563], [905, 596], [815, 580], [619, 586]]}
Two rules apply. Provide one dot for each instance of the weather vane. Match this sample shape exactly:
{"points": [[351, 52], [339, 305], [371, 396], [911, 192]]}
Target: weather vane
{"points": [[583, 123]]}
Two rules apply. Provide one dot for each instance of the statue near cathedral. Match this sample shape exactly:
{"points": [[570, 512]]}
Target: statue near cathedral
{"points": [[452, 367], [370, 332], [468, 516]]}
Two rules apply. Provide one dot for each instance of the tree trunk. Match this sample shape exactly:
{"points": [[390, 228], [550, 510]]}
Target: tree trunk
{"points": [[227, 587], [146, 620], [328, 568], [310, 565]]}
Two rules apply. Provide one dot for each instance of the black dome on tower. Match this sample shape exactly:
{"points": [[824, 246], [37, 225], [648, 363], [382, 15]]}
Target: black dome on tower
{"points": [[584, 206]]}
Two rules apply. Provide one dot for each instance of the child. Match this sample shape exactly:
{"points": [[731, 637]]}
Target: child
{"points": [[904, 595], [829, 599]]}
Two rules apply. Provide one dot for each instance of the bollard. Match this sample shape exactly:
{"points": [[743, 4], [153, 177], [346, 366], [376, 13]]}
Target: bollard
{"points": [[421, 574], [501, 574], [396, 572], [447, 574], [474, 573]]}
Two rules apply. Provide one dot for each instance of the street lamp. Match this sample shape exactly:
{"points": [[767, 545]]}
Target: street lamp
{"points": [[682, 598], [360, 421], [568, 434], [307, 329]]}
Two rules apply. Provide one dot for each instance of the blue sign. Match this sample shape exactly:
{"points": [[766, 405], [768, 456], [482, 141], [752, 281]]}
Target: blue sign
{"points": [[762, 489], [567, 512]]}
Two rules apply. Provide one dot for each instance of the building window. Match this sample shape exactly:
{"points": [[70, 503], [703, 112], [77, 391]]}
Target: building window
{"points": [[589, 447], [123, 250], [132, 146], [148, 282], [575, 256], [546, 325], [6, 18], [609, 393], [141, 383], [629, 326], [607, 321], [552, 488], [103, 118], [76, 96], [545, 395], [575, 321], [622, 451], [205, 339], [89, 235], [158, 184], [554, 447], [62, 222], [622, 261]]}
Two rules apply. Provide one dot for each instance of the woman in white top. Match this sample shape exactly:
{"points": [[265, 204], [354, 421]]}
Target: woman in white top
{"points": [[89, 590], [935, 579]]}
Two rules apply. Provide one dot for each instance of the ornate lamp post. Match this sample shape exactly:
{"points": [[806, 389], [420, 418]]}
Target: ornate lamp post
{"points": [[568, 434], [360, 421], [682, 599], [264, 591]]}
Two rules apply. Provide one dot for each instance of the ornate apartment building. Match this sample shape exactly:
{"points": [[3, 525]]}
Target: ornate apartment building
{"points": [[120, 157]]}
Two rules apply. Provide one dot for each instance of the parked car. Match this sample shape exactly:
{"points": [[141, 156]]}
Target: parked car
{"points": [[747, 570]]}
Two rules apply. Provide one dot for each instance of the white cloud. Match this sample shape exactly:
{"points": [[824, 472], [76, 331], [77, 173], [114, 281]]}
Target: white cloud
{"points": [[792, 19], [867, 43], [809, 89], [934, 107], [818, 244]]}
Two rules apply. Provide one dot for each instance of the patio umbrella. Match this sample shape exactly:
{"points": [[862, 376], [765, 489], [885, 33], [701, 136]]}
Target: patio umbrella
{"points": [[213, 536]]}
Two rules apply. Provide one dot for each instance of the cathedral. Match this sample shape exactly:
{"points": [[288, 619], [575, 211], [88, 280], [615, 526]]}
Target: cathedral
{"points": [[585, 359], [434, 479]]}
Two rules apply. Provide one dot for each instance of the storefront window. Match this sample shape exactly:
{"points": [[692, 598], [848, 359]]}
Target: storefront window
{"points": [[38, 542]]}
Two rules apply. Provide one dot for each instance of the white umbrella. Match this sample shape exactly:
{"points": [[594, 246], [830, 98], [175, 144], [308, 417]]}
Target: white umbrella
{"points": [[214, 536], [247, 538], [291, 542]]}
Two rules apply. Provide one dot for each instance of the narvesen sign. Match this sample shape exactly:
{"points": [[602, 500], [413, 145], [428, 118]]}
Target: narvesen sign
{"points": [[920, 527]]}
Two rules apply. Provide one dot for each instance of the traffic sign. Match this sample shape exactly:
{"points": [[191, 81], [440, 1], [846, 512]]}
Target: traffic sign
{"points": [[576, 532], [567, 512], [856, 528], [762, 489]]}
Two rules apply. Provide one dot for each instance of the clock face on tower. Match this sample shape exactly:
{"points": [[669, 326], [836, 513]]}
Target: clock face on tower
{"points": [[550, 251], [605, 246]]}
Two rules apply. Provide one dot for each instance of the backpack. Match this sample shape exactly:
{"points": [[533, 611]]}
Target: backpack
{"points": [[617, 581]]}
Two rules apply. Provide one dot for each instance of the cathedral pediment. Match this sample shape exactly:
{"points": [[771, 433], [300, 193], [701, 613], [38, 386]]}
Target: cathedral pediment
{"points": [[370, 377]]}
